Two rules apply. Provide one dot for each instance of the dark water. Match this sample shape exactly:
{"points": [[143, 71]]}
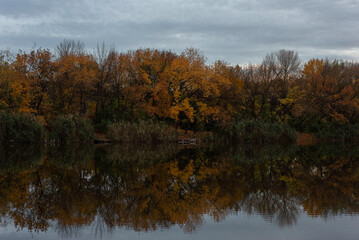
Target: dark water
{"points": [[167, 192]]}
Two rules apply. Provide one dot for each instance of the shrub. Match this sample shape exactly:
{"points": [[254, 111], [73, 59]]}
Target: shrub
{"points": [[20, 128], [71, 129], [332, 133], [142, 131], [259, 132]]}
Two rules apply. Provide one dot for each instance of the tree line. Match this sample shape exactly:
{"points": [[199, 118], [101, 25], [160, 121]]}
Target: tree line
{"points": [[180, 89]]}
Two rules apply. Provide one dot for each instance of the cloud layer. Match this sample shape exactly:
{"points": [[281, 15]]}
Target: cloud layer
{"points": [[236, 31]]}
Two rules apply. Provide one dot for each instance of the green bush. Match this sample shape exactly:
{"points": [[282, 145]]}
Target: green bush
{"points": [[71, 129], [259, 132], [142, 131], [332, 133], [20, 128]]}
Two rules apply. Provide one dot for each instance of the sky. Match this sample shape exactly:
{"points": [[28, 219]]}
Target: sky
{"points": [[236, 31]]}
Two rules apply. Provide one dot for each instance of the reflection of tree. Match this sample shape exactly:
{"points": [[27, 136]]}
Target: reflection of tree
{"points": [[73, 231], [280, 209], [157, 187], [327, 184]]}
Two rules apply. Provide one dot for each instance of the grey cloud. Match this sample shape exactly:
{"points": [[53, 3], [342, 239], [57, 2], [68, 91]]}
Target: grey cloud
{"points": [[236, 31]]}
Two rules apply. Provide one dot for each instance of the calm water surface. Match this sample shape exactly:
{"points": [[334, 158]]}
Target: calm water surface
{"points": [[168, 192]]}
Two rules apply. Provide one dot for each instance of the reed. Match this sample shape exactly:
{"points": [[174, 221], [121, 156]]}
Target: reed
{"points": [[142, 131]]}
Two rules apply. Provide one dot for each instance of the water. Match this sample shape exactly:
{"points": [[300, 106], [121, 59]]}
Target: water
{"points": [[168, 192]]}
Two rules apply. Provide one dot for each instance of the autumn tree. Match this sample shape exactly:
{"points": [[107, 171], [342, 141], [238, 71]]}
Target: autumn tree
{"points": [[326, 93], [107, 86], [35, 73], [198, 90], [150, 73], [7, 79]]}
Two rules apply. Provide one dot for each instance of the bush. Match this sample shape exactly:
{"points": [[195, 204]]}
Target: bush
{"points": [[333, 133], [20, 128], [143, 131], [71, 129], [259, 132]]}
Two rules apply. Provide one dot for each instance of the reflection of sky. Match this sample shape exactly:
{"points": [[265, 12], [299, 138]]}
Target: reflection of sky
{"points": [[239, 226]]}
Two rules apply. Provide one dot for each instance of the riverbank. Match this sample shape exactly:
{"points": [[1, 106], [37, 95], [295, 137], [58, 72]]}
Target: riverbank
{"points": [[71, 129]]}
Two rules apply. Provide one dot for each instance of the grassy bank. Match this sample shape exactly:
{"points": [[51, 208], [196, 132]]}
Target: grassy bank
{"points": [[72, 129]]}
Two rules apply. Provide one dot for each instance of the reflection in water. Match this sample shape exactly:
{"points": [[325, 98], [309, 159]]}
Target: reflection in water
{"points": [[147, 188]]}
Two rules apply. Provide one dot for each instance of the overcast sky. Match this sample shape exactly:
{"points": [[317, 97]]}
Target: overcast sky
{"points": [[238, 31]]}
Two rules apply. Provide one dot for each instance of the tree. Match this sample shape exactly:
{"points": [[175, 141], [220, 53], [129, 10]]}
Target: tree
{"points": [[72, 88], [7, 79], [70, 47], [35, 72], [327, 94]]}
